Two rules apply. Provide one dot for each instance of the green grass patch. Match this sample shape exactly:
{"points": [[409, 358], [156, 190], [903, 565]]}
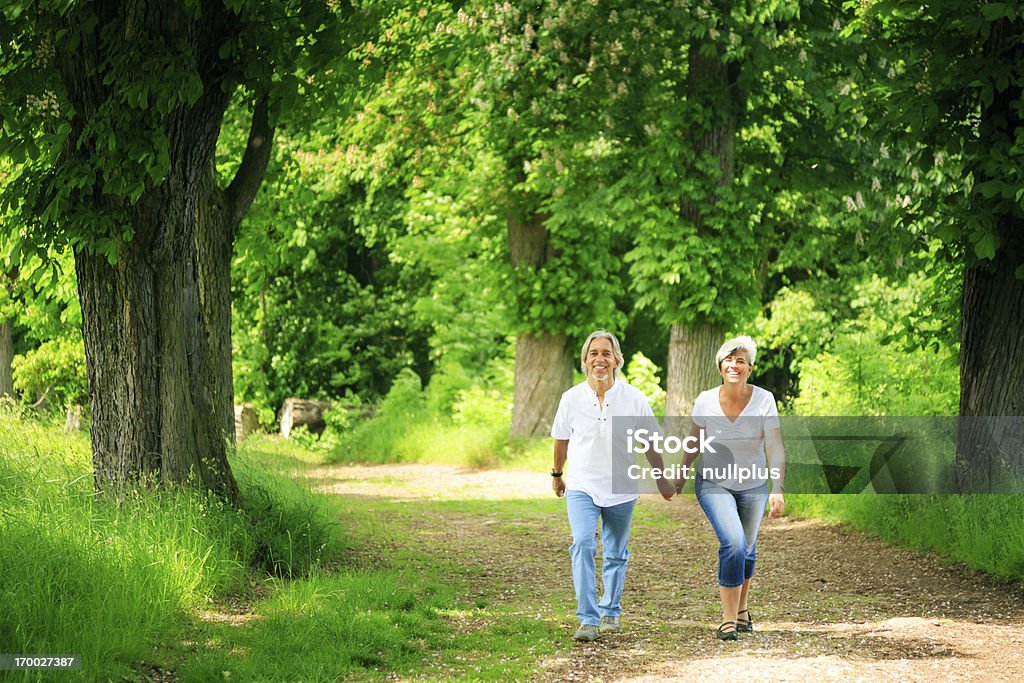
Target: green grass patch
{"points": [[982, 531], [87, 574], [175, 580], [326, 627]]}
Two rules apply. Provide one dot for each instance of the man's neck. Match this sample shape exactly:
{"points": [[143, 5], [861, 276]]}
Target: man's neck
{"points": [[601, 387]]}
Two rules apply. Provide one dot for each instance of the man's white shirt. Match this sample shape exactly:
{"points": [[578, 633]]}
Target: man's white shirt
{"points": [[587, 425]]}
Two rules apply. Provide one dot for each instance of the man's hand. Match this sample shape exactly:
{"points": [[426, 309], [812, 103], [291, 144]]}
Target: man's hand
{"points": [[776, 503], [558, 484], [666, 487]]}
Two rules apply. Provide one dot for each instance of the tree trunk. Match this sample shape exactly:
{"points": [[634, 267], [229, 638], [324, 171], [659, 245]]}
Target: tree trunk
{"points": [[156, 323], [6, 358], [692, 346], [122, 354], [543, 361], [691, 365], [543, 372], [992, 369], [992, 318], [215, 245]]}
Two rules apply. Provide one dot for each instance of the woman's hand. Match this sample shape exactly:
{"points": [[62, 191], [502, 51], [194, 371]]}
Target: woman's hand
{"points": [[666, 487], [776, 503]]}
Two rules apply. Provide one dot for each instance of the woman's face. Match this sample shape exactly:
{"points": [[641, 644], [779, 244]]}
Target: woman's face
{"points": [[735, 369]]}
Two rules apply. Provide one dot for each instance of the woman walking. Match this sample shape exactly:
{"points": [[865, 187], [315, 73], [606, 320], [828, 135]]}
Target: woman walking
{"points": [[734, 481]]}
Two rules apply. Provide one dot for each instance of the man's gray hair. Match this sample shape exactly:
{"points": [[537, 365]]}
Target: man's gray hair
{"points": [[744, 345], [616, 350]]}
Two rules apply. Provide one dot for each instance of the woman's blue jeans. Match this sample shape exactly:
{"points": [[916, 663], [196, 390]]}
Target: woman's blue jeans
{"points": [[735, 516], [615, 521]]}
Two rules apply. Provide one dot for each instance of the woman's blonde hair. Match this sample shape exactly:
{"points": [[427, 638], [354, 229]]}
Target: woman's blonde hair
{"points": [[744, 345]]}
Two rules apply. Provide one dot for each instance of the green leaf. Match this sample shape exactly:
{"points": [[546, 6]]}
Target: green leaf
{"points": [[994, 10], [986, 246]]}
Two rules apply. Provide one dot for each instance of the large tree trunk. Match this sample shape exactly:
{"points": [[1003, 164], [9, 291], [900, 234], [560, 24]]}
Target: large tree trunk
{"points": [[692, 346], [992, 371], [156, 323], [543, 372], [119, 327], [991, 346], [6, 358], [221, 212], [691, 365], [543, 361], [152, 372], [215, 245]]}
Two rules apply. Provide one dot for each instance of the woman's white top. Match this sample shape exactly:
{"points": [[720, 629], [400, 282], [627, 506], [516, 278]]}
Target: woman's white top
{"points": [[738, 462]]}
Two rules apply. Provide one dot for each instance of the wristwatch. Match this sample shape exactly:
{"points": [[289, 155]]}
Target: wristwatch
{"points": [[555, 474]]}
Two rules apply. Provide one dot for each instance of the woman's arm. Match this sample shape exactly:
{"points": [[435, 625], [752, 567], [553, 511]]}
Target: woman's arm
{"points": [[776, 456], [689, 457]]}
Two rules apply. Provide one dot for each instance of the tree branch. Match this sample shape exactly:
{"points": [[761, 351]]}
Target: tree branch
{"points": [[242, 190]]}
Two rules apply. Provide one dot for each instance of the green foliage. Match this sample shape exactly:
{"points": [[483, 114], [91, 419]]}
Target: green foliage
{"points": [[90, 136], [940, 82], [406, 427], [643, 374], [55, 369], [856, 369]]}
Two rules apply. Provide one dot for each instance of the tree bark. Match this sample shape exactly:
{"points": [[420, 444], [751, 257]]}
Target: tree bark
{"points": [[692, 346], [543, 372], [691, 365], [991, 347], [992, 371], [221, 212], [543, 361], [6, 358], [153, 321]]}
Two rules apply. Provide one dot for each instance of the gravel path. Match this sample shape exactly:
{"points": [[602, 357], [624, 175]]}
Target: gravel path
{"points": [[829, 604]]}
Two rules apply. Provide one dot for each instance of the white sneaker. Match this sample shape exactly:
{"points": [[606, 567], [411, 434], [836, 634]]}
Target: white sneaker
{"points": [[610, 625], [586, 633]]}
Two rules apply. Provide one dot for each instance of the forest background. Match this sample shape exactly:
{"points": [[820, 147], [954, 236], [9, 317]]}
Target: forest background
{"points": [[418, 211]]}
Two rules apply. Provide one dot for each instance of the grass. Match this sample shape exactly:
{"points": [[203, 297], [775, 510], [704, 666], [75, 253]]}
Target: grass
{"points": [[295, 586], [985, 532]]}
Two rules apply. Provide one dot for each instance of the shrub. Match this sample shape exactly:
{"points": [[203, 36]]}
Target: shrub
{"points": [[56, 370]]}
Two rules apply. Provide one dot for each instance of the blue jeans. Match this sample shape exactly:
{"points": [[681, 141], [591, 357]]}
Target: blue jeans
{"points": [[735, 516], [615, 520]]}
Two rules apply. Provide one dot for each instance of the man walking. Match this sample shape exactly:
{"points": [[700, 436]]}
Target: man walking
{"points": [[582, 431]]}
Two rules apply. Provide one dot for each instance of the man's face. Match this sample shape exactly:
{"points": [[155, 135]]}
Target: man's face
{"points": [[601, 361]]}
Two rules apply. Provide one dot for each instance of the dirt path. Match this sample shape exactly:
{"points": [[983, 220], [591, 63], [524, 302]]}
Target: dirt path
{"points": [[829, 604]]}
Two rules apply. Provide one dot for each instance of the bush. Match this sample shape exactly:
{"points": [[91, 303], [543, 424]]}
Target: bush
{"points": [[864, 372], [642, 373], [56, 370]]}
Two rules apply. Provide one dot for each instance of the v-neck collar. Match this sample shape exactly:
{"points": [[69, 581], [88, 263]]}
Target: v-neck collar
{"points": [[750, 399]]}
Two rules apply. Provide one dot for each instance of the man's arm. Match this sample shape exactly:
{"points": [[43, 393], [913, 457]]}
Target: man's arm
{"points": [[561, 455]]}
